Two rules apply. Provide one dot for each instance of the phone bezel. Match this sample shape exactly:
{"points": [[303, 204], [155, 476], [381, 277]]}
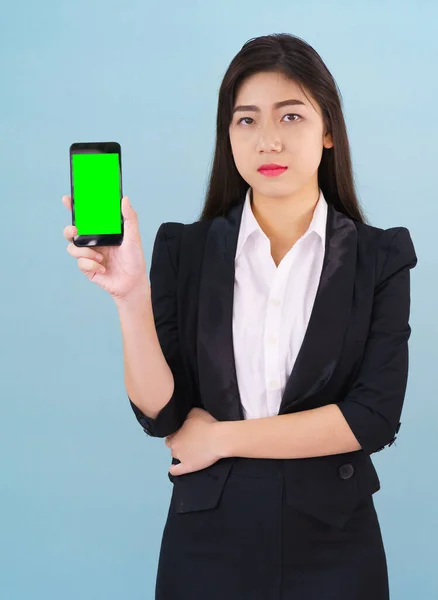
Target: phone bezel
{"points": [[115, 239]]}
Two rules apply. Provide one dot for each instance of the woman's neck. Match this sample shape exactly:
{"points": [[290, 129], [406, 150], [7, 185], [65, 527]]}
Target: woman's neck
{"points": [[284, 219]]}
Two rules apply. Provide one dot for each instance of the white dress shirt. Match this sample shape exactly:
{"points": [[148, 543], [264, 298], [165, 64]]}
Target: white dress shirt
{"points": [[272, 307]]}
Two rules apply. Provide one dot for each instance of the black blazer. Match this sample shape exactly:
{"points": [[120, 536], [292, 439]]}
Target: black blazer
{"points": [[354, 353]]}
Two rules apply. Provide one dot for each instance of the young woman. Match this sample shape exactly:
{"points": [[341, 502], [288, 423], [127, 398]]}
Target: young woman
{"points": [[271, 348]]}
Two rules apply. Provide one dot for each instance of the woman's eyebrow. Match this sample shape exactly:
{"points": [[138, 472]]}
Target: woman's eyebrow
{"points": [[253, 107]]}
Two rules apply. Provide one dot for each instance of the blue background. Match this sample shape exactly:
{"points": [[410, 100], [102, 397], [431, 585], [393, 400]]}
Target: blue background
{"points": [[83, 491]]}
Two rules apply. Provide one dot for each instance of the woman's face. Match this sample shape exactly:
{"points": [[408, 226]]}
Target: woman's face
{"points": [[291, 135]]}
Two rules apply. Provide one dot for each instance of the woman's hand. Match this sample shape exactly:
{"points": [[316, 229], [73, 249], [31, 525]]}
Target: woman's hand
{"points": [[124, 266], [196, 443]]}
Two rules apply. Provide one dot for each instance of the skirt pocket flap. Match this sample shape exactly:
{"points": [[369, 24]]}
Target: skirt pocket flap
{"points": [[200, 490], [330, 487]]}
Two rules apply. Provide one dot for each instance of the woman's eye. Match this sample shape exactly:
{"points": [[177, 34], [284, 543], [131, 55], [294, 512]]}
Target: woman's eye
{"points": [[244, 119], [287, 115], [292, 115]]}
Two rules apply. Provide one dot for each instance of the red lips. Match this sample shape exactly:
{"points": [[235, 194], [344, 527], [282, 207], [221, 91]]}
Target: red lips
{"points": [[270, 166]]}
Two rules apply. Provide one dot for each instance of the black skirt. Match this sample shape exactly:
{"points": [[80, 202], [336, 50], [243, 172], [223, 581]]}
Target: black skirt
{"points": [[254, 546]]}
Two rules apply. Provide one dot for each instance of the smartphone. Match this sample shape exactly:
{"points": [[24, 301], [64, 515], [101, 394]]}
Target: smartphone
{"points": [[96, 193]]}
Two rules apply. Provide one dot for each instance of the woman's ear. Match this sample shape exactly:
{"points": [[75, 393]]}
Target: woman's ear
{"points": [[328, 140]]}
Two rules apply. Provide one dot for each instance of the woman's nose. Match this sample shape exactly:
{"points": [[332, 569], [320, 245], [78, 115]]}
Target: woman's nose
{"points": [[268, 141]]}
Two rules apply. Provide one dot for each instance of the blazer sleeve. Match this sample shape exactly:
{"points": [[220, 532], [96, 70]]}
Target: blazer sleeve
{"points": [[163, 282], [372, 406]]}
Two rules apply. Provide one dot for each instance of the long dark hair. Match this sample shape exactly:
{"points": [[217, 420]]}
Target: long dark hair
{"points": [[292, 56]]}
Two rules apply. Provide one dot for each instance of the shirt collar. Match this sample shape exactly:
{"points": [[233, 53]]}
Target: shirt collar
{"points": [[249, 223]]}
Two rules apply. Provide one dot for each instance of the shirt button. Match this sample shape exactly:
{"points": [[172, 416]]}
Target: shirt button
{"points": [[272, 339], [273, 383], [275, 302]]}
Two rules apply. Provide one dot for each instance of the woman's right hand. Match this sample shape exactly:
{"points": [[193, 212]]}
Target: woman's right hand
{"points": [[124, 266]]}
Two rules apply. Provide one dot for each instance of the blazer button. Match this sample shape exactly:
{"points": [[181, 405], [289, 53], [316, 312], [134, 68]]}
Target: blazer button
{"points": [[346, 471]]}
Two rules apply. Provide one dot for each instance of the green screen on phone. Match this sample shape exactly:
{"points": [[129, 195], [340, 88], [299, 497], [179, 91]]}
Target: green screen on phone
{"points": [[96, 185]]}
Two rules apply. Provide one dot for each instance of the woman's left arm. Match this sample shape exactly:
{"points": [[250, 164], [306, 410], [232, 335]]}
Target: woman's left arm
{"points": [[308, 433], [368, 416]]}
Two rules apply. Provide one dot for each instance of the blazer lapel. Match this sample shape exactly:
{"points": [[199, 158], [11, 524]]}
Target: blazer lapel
{"points": [[327, 327], [322, 344]]}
